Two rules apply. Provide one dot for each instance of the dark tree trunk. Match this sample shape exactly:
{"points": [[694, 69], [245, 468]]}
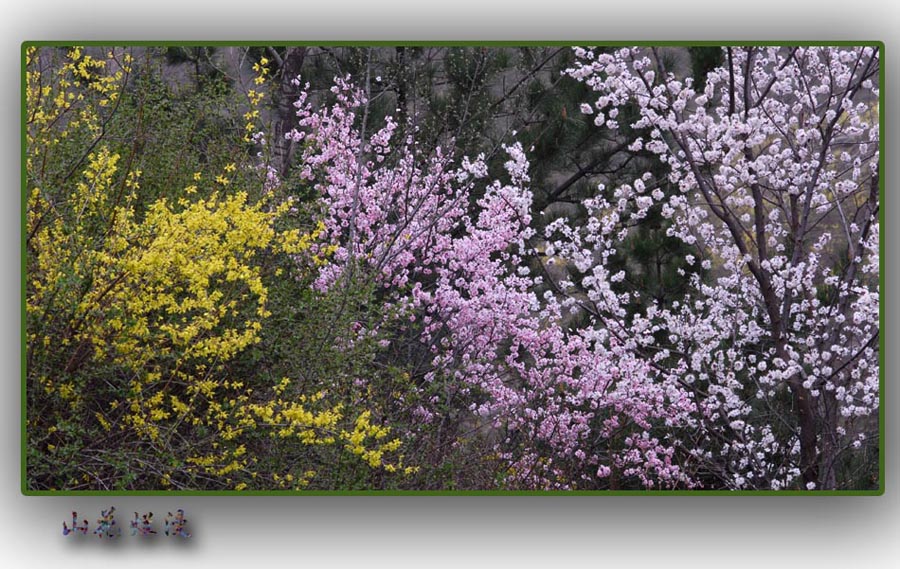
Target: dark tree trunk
{"points": [[829, 452], [806, 419], [291, 65]]}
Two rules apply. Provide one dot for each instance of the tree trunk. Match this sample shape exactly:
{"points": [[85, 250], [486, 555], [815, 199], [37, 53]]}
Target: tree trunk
{"points": [[287, 117], [828, 455], [806, 418]]}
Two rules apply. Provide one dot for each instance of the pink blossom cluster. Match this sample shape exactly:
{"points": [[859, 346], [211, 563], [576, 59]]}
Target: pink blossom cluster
{"points": [[571, 406]]}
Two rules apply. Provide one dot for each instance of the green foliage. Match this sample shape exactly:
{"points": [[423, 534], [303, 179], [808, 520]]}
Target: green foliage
{"points": [[703, 60]]}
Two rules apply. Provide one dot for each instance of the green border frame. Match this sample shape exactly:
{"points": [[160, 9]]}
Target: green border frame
{"points": [[417, 43]]}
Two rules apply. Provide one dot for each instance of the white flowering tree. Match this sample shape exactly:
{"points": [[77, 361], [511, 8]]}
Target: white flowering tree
{"points": [[776, 165]]}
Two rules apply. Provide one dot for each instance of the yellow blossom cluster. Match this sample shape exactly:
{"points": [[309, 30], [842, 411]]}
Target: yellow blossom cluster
{"points": [[68, 98], [294, 242], [255, 96]]}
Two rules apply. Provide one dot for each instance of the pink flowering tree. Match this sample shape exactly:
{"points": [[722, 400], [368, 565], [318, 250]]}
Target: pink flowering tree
{"points": [[453, 256], [764, 375], [776, 165]]}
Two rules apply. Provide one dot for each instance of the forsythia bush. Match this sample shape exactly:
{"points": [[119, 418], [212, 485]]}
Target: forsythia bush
{"points": [[137, 307]]}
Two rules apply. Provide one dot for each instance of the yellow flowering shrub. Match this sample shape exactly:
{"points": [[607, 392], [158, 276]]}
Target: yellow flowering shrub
{"points": [[141, 311]]}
